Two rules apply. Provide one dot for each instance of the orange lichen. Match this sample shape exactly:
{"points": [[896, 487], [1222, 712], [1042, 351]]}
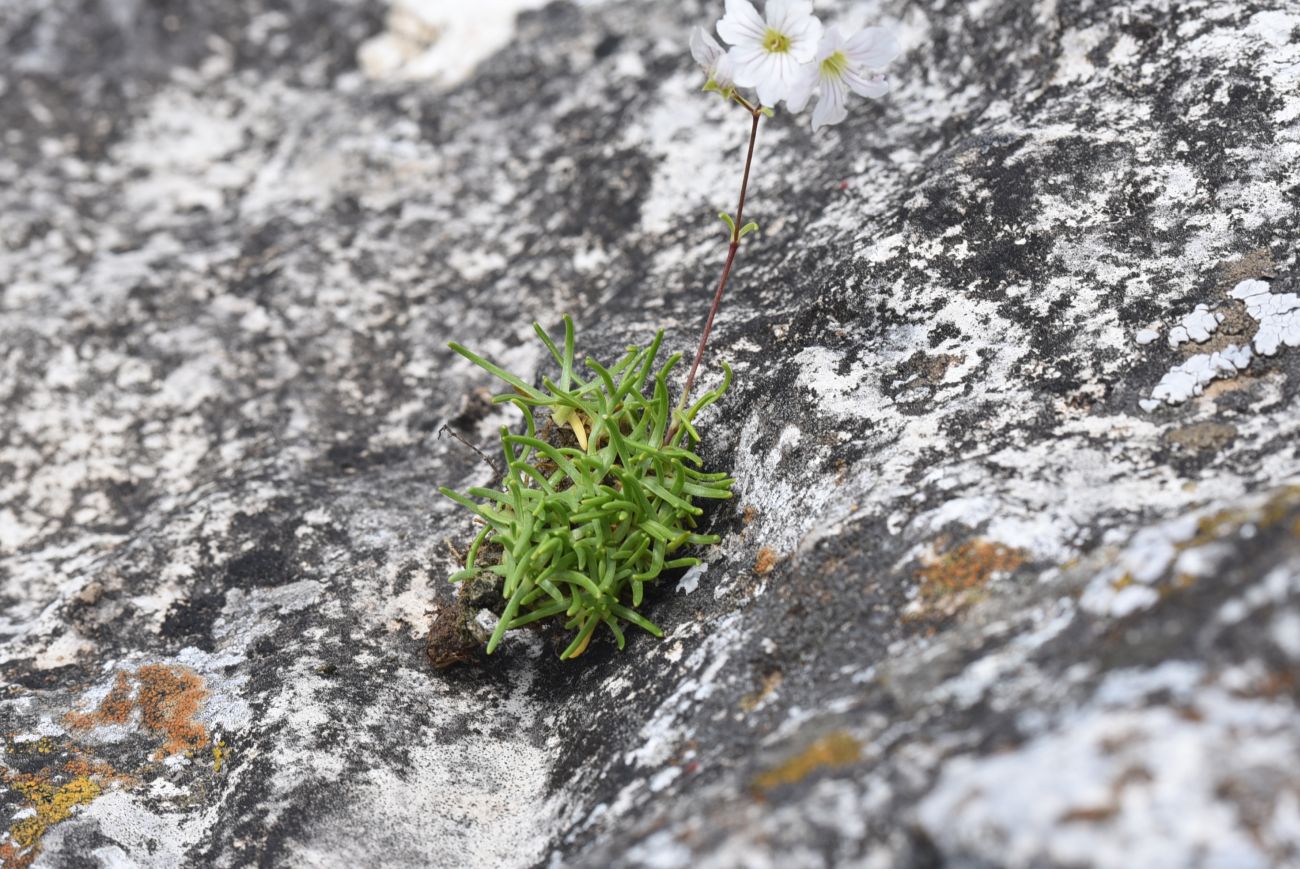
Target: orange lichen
{"points": [[834, 750], [765, 561], [168, 700], [167, 697], [966, 569], [113, 709]]}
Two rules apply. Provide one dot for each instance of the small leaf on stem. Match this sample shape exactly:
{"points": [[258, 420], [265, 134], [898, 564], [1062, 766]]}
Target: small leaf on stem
{"points": [[727, 219]]}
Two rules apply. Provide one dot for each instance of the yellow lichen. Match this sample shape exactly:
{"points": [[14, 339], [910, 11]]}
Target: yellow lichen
{"points": [[218, 755], [834, 750], [52, 804], [49, 802]]}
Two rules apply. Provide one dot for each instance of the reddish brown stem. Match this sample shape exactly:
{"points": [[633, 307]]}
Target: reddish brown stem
{"points": [[731, 259]]}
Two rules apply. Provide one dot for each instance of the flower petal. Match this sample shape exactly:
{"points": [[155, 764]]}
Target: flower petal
{"points": [[875, 86], [705, 49], [777, 14], [831, 42], [786, 15], [805, 41], [742, 24], [748, 63], [831, 96], [771, 85], [872, 47], [724, 72], [801, 90]]}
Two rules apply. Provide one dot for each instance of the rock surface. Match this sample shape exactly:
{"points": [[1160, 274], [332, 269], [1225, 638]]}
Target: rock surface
{"points": [[1013, 574]]}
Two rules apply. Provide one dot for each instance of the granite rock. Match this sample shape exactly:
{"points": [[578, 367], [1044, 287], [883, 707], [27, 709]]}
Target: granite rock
{"points": [[1012, 577]]}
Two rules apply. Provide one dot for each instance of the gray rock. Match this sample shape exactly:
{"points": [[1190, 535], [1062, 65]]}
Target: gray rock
{"points": [[1012, 577]]}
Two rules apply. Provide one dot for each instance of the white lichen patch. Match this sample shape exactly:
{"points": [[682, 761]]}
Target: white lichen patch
{"points": [[147, 837], [1278, 318], [1273, 589], [1278, 315], [1197, 326], [1191, 377], [660, 735], [692, 146], [691, 579]]}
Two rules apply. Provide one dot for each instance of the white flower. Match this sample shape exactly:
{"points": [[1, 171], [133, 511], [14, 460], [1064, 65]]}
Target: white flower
{"points": [[842, 66], [768, 54], [710, 55]]}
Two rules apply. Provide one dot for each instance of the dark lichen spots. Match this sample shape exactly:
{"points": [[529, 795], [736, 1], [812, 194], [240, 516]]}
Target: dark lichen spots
{"points": [[943, 332], [262, 566], [190, 620]]}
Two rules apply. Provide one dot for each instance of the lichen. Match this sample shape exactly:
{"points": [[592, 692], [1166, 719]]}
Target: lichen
{"points": [[168, 699], [966, 569], [834, 750], [49, 795]]}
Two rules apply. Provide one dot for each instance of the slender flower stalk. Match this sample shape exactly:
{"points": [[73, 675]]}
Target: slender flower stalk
{"points": [[736, 235], [784, 54]]}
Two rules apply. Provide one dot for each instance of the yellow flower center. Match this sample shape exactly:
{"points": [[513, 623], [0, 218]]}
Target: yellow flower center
{"points": [[835, 65], [775, 41]]}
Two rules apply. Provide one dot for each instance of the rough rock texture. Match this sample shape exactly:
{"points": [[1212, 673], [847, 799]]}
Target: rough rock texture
{"points": [[1013, 573]]}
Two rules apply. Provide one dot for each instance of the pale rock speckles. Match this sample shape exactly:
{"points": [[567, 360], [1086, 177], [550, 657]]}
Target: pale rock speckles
{"points": [[1126, 773], [230, 262], [1131, 583], [441, 42]]}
